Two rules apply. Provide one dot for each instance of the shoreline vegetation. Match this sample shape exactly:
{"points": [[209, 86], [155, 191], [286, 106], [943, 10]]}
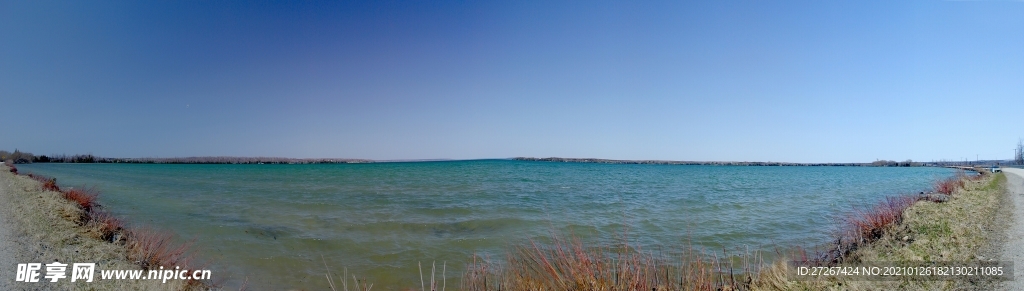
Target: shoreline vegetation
{"points": [[67, 225], [957, 223], [953, 222]]}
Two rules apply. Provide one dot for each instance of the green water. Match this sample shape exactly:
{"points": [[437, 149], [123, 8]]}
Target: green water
{"points": [[274, 224]]}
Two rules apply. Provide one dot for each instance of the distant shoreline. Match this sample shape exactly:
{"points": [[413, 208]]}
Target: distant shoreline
{"points": [[719, 163], [18, 157], [189, 160], [273, 160]]}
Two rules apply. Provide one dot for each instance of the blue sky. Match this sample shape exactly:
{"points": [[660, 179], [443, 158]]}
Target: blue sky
{"points": [[814, 81]]}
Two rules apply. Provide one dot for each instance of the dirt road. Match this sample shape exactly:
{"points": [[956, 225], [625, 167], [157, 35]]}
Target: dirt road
{"points": [[1013, 250], [8, 247]]}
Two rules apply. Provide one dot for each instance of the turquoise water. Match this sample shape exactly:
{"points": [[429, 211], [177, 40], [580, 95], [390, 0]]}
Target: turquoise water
{"points": [[276, 224]]}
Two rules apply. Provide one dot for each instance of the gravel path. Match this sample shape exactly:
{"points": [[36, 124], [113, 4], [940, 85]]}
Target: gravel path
{"points": [[8, 247], [1013, 250]]}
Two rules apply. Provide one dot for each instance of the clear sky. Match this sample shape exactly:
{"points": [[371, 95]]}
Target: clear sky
{"points": [[811, 81]]}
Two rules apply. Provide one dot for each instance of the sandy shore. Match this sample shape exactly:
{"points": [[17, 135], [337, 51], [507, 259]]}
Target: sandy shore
{"points": [[1013, 249]]}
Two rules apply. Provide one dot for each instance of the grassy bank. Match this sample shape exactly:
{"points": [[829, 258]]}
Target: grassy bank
{"points": [[68, 226], [964, 229]]}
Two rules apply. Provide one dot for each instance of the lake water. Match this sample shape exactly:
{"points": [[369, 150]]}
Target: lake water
{"points": [[276, 224]]}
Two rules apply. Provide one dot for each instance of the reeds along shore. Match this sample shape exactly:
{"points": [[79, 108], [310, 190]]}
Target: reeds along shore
{"points": [[148, 248]]}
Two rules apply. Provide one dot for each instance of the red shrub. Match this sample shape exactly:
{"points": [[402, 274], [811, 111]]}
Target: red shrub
{"points": [[151, 249], [48, 183], [85, 198], [948, 186], [862, 227], [51, 185], [870, 225], [110, 226]]}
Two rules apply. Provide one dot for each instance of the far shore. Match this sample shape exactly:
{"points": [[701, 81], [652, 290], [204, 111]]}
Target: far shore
{"points": [[879, 163], [26, 158]]}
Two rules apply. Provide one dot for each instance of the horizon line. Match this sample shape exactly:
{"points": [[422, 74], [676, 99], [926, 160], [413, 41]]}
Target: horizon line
{"points": [[89, 158]]}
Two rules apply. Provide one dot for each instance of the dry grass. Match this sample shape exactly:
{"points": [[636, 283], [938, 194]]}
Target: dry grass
{"points": [[365, 286], [151, 249], [949, 186], [47, 183], [571, 265], [85, 198], [108, 227], [980, 176], [68, 226]]}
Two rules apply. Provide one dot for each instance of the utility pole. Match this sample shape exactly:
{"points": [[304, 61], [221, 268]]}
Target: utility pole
{"points": [[1018, 153]]}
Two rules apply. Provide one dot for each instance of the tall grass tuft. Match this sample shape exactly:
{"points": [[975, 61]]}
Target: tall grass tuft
{"points": [[949, 185], [433, 273], [570, 265], [151, 249], [110, 227], [869, 225], [344, 282]]}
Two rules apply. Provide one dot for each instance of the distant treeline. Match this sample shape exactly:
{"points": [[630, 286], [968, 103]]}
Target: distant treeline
{"points": [[17, 157], [887, 163], [230, 160], [880, 163], [20, 157]]}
